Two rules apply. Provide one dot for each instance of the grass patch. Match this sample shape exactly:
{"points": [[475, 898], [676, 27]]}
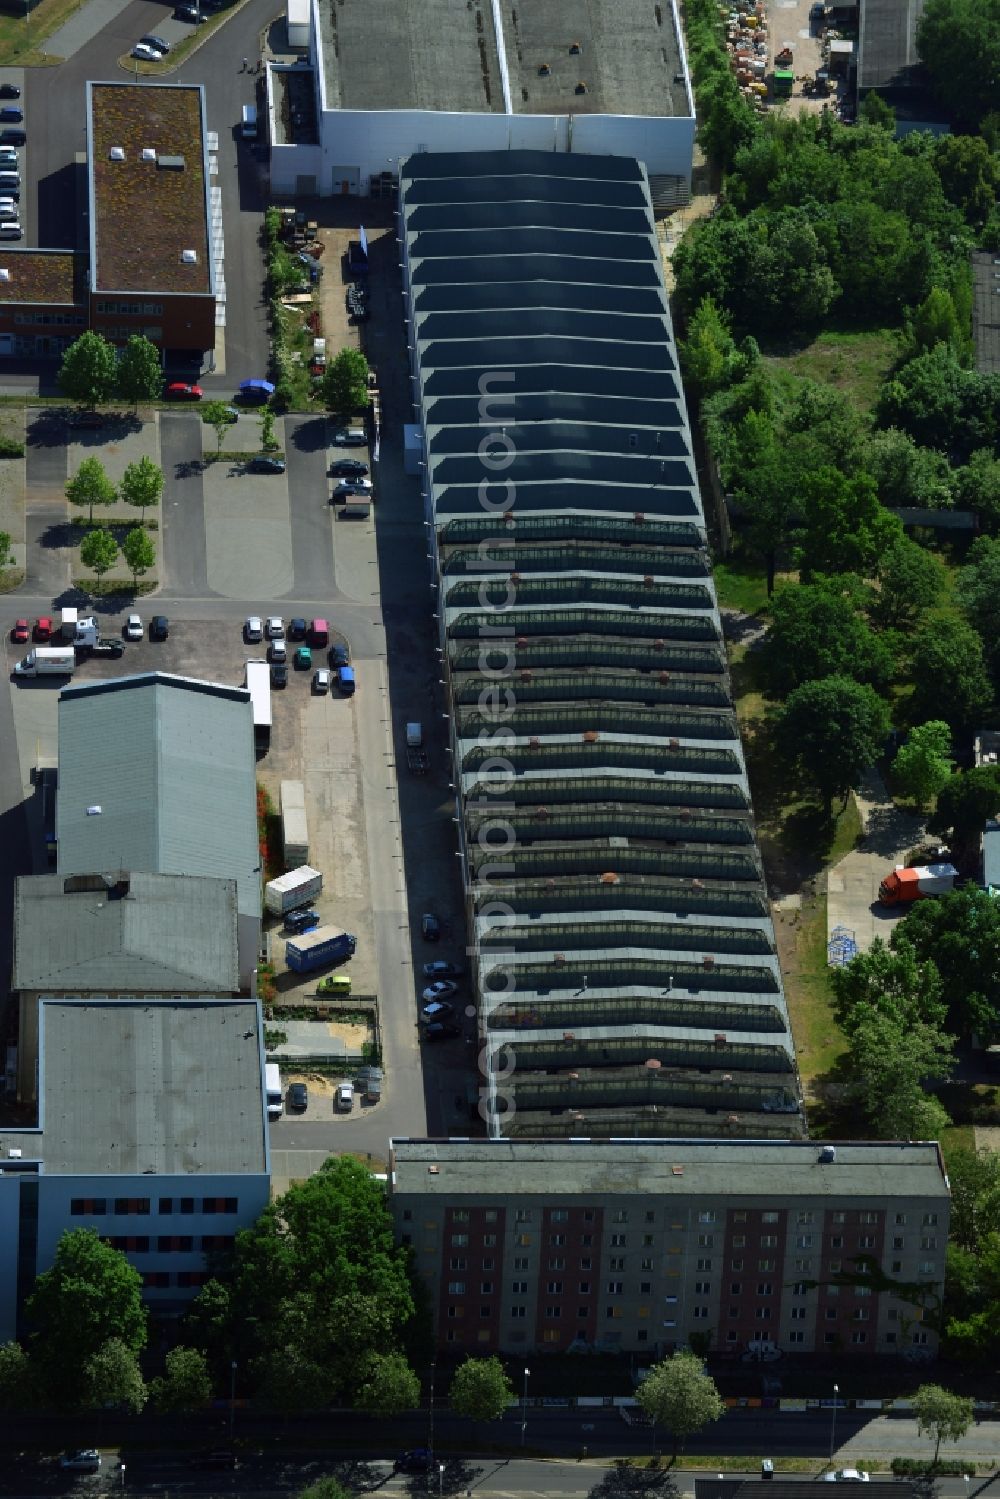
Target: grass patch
{"points": [[802, 938], [230, 457], [957, 1137], [854, 363], [11, 578], [740, 585], [21, 37], [109, 588]]}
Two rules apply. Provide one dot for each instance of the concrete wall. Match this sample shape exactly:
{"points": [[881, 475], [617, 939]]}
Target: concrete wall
{"points": [[10, 1222]]}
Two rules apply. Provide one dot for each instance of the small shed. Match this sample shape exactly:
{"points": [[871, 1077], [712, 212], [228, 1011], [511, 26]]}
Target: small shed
{"points": [[298, 24], [841, 56]]}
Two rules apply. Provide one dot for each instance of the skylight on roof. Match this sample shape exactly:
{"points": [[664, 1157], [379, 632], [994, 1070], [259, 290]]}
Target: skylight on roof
{"points": [[117, 153], [189, 257], [148, 154]]}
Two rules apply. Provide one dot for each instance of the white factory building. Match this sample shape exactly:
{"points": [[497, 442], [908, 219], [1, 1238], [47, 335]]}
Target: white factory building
{"points": [[380, 79]]}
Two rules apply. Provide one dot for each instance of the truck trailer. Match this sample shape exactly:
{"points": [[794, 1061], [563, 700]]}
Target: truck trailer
{"points": [[48, 661], [320, 948], [289, 891], [272, 1089], [294, 828], [258, 681], [918, 883]]}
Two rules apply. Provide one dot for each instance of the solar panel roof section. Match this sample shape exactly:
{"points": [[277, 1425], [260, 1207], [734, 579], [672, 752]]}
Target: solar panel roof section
{"points": [[545, 270]]}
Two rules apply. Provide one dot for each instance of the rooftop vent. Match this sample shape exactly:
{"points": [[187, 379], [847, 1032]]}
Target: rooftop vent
{"points": [[117, 153], [581, 88], [148, 154], [4, 273], [828, 1155], [14, 1153], [544, 70], [575, 49], [171, 163], [189, 257]]}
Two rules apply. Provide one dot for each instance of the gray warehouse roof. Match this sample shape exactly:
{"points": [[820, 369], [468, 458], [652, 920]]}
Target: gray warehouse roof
{"points": [[151, 1087], [570, 539], [136, 933], [618, 57], [739, 1169], [887, 44], [168, 764]]}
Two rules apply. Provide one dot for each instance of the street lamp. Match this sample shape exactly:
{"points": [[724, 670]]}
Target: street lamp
{"points": [[123, 1477], [232, 1399], [524, 1406], [440, 1478], [833, 1421]]}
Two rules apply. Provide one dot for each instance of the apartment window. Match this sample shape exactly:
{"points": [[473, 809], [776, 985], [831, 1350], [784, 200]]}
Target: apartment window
{"points": [[218, 1241], [520, 1263], [559, 1215], [518, 1313], [647, 1241], [615, 1287], [740, 1217], [166, 1205], [703, 1288], [800, 1288], [645, 1287], [484, 1312], [703, 1265], [860, 1314], [557, 1240], [489, 1241], [900, 1220], [523, 1241], [764, 1288], [522, 1215], [769, 1241], [128, 1206], [488, 1264], [612, 1312], [736, 1288], [765, 1265], [928, 1243], [890, 1337], [770, 1217], [920, 1340], [486, 1288], [584, 1288], [706, 1241], [616, 1262], [621, 1216], [862, 1290], [866, 1241], [837, 1242], [519, 1288], [642, 1336], [706, 1217], [739, 1241], [859, 1337], [456, 1288], [88, 1207], [218, 1205], [588, 1215], [700, 1313], [587, 1240], [831, 1314], [833, 1290], [134, 1243], [585, 1263], [583, 1311], [174, 1244], [490, 1215], [796, 1337], [829, 1337], [645, 1264], [155, 1279], [619, 1241], [804, 1241], [838, 1217], [868, 1217], [460, 1215], [897, 1266], [734, 1311], [732, 1335], [804, 1265], [898, 1243], [460, 1241], [555, 1287], [557, 1264], [650, 1216], [458, 1263], [835, 1267], [803, 1219], [763, 1314], [798, 1314], [456, 1312], [553, 1313], [736, 1264], [927, 1267]]}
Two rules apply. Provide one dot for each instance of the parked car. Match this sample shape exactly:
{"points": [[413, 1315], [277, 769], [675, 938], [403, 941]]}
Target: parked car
{"points": [[440, 990], [9, 159], [178, 390], [430, 927], [145, 53], [253, 630], [440, 969], [159, 627], [133, 628], [277, 650], [10, 229], [297, 628], [279, 674], [346, 680], [848, 1475], [348, 468], [303, 659], [108, 647], [9, 91], [156, 42], [298, 1096], [43, 628], [301, 921], [353, 486], [12, 113], [340, 655], [189, 13], [349, 437], [344, 1098], [334, 983], [416, 1460], [274, 627], [83, 1460], [21, 632], [262, 464], [438, 1009], [321, 680], [319, 632], [441, 1030], [13, 137]]}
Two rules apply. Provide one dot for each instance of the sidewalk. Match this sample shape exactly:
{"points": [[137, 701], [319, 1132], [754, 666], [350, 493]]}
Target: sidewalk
{"points": [[852, 885]]}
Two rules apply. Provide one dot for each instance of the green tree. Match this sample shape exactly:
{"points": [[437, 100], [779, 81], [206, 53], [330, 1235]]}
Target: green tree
{"points": [[936, 321], [677, 1393], [910, 582], [974, 1176], [267, 437], [889, 1066], [942, 1415], [186, 1385], [969, 173], [816, 632], [324, 1488], [845, 527], [977, 487], [216, 414], [960, 934], [113, 1378], [90, 1294], [904, 472], [345, 384], [388, 1386], [16, 1379], [887, 982], [972, 1298], [139, 552], [140, 374], [726, 121], [767, 490], [978, 593], [949, 675], [480, 1389], [708, 355], [832, 731], [939, 403], [958, 42], [965, 804], [99, 551], [922, 767], [142, 483], [90, 486], [875, 111], [6, 550], [88, 373]]}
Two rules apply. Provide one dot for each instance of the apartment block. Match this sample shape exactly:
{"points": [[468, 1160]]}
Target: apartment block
{"points": [[640, 1245]]}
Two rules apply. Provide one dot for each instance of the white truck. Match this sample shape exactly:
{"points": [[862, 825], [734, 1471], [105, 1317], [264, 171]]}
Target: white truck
{"points": [[88, 631], [296, 888], [272, 1089], [48, 661], [416, 755], [294, 828]]}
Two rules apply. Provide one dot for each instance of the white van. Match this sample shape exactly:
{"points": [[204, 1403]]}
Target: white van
{"points": [[248, 125], [272, 1088], [10, 229]]}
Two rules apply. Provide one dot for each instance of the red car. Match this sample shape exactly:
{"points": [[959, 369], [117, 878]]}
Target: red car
{"points": [[21, 631], [43, 628], [181, 392]]}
